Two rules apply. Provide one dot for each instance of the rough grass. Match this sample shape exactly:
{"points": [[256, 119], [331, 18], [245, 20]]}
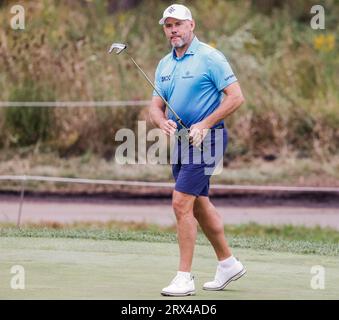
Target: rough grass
{"points": [[286, 238], [288, 76]]}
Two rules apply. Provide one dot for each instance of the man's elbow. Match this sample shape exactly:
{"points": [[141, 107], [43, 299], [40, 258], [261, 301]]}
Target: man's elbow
{"points": [[239, 100], [150, 115]]}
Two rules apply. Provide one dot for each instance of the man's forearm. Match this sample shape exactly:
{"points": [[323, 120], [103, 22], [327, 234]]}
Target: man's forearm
{"points": [[227, 107], [157, 115]]}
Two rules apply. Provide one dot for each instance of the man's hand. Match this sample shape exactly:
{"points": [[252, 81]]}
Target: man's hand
{"points": [[168, 127], [198, 132]]}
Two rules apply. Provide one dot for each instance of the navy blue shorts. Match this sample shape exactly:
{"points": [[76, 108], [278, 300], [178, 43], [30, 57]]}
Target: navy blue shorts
{"points": [[192, 168]]}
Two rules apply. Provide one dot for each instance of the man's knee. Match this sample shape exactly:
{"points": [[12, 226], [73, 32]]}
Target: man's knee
{"points": [[182, 203]]}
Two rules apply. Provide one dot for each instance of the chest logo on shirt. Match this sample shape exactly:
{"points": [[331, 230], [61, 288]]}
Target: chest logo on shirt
{"points": [[187, 75], [166, 78]]}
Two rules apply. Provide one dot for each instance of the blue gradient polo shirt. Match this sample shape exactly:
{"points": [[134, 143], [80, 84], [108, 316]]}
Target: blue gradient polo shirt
{"points": [[193, 84]]}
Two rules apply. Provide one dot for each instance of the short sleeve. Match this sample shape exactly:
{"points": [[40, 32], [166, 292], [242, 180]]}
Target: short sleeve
{"points": [[220, 70], [157, 81]]}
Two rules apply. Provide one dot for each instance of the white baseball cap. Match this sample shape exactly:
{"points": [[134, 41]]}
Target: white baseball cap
{"points": [[177, 11]]}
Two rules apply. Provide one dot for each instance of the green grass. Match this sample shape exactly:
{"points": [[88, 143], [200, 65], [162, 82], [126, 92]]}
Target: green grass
{"points": [[60, 268], [119, 260], [299, 240]]}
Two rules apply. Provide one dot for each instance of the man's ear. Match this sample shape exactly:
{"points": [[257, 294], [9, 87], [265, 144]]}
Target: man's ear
{"points": [[192, 25]]}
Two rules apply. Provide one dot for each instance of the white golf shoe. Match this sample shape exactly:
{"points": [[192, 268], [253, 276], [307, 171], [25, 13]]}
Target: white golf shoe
{"points": [[180, 286], [224, 276]]}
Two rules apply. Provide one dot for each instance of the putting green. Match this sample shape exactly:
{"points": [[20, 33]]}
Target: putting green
{"points": [[94, 269]]}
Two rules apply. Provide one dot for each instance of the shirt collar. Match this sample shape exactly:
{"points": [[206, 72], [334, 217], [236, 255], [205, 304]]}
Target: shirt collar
{"points": [[190, 50]]}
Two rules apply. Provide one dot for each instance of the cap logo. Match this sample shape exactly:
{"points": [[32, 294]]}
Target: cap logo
{"points": [[171, 10]]}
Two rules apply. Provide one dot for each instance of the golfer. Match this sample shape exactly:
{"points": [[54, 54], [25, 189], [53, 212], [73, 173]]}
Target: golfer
{"points": [[201, 87]]}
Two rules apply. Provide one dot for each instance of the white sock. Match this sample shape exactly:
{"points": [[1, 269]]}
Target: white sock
{"points": [[227, 262], [187, 275]]}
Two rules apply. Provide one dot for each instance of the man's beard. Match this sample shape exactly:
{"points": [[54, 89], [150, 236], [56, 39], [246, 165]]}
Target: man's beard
{"points": [[179, 43]]}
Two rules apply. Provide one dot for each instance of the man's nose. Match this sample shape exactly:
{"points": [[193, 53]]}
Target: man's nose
{"points": [[174, 30]]}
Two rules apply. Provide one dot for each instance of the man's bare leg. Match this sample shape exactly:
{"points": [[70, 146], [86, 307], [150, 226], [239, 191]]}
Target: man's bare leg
{"points": [[229, 268], [186, 228], [212, 225]]}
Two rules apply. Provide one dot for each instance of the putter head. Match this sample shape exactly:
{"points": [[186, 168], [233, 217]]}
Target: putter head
{"points": [[117, 48]]}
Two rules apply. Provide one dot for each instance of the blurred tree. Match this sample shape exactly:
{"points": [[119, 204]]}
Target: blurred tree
{"points": [[267, 5], [299, 9], [7, 2], [117, 5]]}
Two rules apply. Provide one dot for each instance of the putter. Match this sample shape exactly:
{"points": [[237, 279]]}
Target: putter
{"points": [[117, 48]]}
